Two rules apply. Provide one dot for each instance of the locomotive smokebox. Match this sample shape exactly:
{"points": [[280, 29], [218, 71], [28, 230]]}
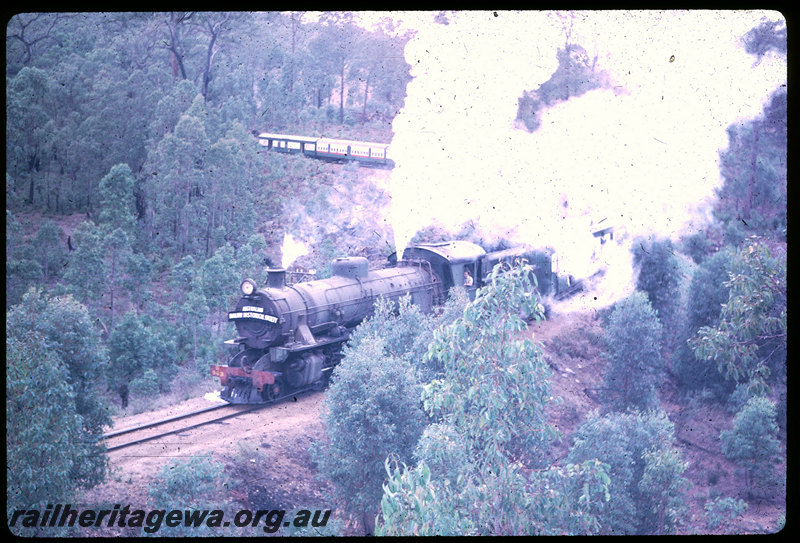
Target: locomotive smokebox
{"points": [[276, 278]]}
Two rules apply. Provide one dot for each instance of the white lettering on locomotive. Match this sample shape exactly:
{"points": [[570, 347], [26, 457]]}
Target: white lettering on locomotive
{"points": [[252, 315]]}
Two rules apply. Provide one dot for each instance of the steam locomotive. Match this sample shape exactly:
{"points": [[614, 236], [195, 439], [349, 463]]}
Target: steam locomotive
{"points": [[290, 336], [334, 150]]}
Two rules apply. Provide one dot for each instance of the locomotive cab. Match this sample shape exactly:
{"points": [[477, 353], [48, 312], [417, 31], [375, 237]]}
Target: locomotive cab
{"points": [[451, 261]]}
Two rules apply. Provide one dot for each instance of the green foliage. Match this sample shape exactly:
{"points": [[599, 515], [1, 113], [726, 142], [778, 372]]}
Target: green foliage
{"points": [[43, 428], [664, 484], [69, 332], [85, 277], [647, 487], [193, 484], [21, 274], [133, 350], [117, 199], [768, 36], [146, 385], [371, 411], [752, 198], [182, 274], [186, 483], [708, 291], [723, 511], [218, 279], [476, 465], [634, 354], [411, 507], [50, 250], [749, 342], [753, 444], [406, 331], [492, 378], [659, 277]]}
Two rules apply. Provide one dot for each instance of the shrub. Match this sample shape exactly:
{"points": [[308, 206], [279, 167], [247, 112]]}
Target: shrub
{"points": [[753, 443], [647, 485], [707, 292], [193, 484], [371, 411], [723, 511], [659, 276], [633, 351]]}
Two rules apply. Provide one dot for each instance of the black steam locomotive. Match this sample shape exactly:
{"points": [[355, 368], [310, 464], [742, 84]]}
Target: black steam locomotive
{"points": [[290, 336]]}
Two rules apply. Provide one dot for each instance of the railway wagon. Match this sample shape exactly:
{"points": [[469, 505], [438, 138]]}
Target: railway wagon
{"points": [[329, 149]]}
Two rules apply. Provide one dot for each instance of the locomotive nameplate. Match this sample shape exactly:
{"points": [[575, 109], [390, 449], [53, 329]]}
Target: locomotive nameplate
{"points": [[252, 315]]}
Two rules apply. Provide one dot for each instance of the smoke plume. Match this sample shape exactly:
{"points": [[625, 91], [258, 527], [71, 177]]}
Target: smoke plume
{"points": [[639, 152]]}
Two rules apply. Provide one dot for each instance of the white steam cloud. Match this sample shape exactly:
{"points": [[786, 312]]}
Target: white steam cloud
{"points": [[642, 155], [291, 250]]}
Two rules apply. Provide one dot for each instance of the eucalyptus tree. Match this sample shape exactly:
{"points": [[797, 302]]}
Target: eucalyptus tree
{"points": [[69, 332], [43, 428], [477, 469], [51, 250], [28, 110]]}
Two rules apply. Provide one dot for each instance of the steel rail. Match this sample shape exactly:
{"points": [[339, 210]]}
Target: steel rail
{"points": [[250, 409], [164, 421]]}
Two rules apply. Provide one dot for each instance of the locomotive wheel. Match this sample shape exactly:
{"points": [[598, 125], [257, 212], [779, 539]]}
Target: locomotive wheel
{"points": [[274, 391]]}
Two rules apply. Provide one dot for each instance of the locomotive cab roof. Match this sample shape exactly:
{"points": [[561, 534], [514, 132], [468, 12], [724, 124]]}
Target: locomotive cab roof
{"points": [[454, 252]]}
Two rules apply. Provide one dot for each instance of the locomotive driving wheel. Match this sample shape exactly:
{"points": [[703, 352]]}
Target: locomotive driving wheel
{"points": [[274, 391]]}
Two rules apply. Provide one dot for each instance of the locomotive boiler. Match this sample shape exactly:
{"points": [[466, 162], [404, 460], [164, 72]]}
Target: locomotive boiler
{"points": [[290, 336]]}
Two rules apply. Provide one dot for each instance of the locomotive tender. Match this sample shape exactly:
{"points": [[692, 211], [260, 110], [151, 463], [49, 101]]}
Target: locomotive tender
{"points": [[290, 336], [363, 152]]}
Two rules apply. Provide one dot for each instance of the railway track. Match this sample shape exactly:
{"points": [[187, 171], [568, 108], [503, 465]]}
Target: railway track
{"points": [[181, 423]]}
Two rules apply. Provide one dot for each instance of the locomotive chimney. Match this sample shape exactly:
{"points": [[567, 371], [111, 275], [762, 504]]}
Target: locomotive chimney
{"points": [[276, 278]]}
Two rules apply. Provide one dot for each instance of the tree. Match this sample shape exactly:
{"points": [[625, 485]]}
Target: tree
{"points": [[371, 411], [27, 111], [27, 32], [116, 253], [659, 277], [708, 292], [85, 276], [117, 199], [22, 268], [132, 349], [768, 36], [177, 185], [575, 76], [634, 354], [721, 511], [753, 444], [338, 38], [489, 433], [664, 484], [647, 486], [50, 248], [749, 343], [43, 428], [66, 330]]}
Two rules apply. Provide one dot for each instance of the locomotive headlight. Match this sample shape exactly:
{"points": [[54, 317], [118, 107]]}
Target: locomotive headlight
{"points": [[248, 286]]}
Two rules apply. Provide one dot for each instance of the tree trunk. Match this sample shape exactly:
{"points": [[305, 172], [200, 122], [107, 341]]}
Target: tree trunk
{"points": [[748, 203], [366, 97], [341, 96]]}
